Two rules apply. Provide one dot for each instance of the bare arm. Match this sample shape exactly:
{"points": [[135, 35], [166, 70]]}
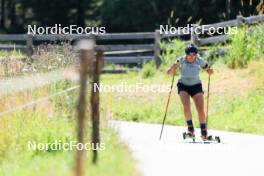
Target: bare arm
{"points": [[208, 69], [172, 69]]}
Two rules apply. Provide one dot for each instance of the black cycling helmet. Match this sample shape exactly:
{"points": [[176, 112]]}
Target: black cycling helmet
{"points": [[191, 49]]}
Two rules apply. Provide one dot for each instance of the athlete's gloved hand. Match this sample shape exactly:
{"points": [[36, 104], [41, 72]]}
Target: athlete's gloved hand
{"points": [[210, 71], [172, 69]]}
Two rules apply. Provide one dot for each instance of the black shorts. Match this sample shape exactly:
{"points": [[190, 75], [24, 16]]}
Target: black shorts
{"points": [[191, 90]]}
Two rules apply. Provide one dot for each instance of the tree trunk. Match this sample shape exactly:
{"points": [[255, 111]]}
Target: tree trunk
{"points": [[2, 20], [228, 9], [81, 13], [13, 13]]}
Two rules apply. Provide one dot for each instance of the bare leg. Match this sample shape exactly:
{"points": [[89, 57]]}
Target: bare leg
{"points": [[185, 99], [199, 104]]}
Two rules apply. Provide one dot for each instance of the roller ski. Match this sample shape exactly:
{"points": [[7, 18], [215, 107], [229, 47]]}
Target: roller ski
{"points": [[190, 131], [189, 135], [211, 138]]}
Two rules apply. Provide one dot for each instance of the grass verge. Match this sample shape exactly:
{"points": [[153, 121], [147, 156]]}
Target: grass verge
{"points": [[52, 121], [236, 100]]}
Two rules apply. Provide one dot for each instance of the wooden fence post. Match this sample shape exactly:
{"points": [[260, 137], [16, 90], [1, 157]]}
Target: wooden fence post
{"points": [[194, 35], [29, 41], [157, 50], [240, 20], [95, 103], [86, 59]]}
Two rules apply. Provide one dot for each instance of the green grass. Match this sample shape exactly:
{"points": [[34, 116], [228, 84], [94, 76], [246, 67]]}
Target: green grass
{"points": [[10, 54], [50, 121], [241, 114], [245, 46], [236, 103], [18, 160]]}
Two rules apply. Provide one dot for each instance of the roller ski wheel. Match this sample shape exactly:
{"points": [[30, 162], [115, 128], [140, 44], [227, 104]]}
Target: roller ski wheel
{"points": [[217, 138], [211, 138], [190, 135]]}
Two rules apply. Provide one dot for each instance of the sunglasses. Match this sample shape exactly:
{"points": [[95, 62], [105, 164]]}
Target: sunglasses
{"points": [[192, 54]]}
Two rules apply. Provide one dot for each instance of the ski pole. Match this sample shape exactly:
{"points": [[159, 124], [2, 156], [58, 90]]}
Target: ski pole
{"points": [[207, 103], [167, 106]]}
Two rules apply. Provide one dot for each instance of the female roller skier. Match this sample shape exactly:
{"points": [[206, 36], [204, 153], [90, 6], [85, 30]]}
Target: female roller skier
{"points": [[190, 85]]}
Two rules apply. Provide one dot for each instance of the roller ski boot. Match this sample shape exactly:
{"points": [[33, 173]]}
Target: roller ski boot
{"points": [[211, 138], [189, 135]]}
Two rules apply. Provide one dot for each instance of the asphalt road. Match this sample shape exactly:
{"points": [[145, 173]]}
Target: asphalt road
{"points": [[237, 154]]}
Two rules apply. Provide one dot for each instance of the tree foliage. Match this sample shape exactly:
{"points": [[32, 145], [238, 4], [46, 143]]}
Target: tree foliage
{"points": [[119, 15]]}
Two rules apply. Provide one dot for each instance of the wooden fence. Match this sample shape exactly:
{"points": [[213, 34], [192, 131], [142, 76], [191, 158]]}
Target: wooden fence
{"points": [[130, 53]]}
